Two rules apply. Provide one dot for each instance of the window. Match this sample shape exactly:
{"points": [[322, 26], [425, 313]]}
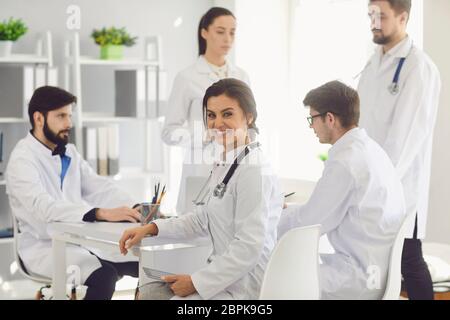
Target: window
{"points": [[289, 47]]}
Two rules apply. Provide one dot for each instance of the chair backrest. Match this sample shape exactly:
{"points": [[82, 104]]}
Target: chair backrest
{"points": [[19, 261], [292, 272], [394, 277]]}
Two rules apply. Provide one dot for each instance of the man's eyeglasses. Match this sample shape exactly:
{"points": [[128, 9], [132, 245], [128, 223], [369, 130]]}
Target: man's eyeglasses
{"points": [[310, 119]]}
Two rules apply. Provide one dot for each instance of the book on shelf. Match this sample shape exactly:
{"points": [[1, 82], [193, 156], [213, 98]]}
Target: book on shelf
{"points": [[90, 147], [102, 145], [113, 149], [17, 84], [130, 92], [101, 149]]}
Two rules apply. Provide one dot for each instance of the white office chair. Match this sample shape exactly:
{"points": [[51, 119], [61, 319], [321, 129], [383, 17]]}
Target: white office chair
{"points": [[292, 272], [19, 261], [394, 278]]}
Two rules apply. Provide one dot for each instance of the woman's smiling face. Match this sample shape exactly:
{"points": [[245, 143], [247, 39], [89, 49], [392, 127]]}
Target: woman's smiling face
{"points": [[226, 121]]}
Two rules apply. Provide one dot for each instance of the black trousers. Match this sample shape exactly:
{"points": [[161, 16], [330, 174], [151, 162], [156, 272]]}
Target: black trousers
{"points": [[416, 276], [102, 282]]}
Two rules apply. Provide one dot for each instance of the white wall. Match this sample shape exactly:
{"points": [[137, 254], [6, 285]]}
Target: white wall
{"points": [[140, 17], [436, 44], [262, 51]]}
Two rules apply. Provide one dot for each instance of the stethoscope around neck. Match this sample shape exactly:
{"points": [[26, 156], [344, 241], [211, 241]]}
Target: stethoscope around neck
{"points": [[394, 87], [220, 188]]}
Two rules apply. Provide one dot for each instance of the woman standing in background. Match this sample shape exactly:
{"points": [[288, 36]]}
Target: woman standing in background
{"points": [[183, 124]]}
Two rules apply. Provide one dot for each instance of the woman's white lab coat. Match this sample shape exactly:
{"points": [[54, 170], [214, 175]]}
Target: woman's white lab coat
{"points": [[241, 225], [183, 125], [403, 124], [37, 199], [359, 203]]}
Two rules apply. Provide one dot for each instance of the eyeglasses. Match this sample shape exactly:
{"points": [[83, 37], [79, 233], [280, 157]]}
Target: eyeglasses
{"points": [[310, 119]]}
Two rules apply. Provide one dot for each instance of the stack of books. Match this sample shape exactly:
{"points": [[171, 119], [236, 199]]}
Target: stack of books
{"points": [[101, 149]]}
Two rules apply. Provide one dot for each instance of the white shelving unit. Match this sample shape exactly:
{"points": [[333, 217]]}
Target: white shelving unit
{"points": [[74, 65], [13, 120], [39, 58], [42, 56]]}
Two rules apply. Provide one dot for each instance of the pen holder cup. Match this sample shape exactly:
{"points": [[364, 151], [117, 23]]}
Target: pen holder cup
{"points": [[149, 212]]}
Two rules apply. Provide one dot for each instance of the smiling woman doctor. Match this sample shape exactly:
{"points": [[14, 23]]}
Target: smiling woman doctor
{"points": [[183, 125], [242, 205]]}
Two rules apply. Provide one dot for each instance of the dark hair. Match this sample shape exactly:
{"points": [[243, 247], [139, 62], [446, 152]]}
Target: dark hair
{"points": [[206, 21], [48, 98], [399, 6], [234, 89], [337, 98]]}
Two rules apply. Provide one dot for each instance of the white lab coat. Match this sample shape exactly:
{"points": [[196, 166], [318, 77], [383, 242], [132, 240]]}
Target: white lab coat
{"points": [[359, 203], [403, 124], [241, 226], [36, 198], [183, 125]]}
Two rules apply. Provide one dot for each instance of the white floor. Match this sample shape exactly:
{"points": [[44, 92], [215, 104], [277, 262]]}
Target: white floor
{"points": [[27, 289]]}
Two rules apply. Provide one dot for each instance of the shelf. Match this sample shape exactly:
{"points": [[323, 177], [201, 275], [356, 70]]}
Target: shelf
{"points": [[6, 240], [132, 173], [129, 173], [2, 182], [96, 119], [24, 59], [92, 61], [13, 120]]}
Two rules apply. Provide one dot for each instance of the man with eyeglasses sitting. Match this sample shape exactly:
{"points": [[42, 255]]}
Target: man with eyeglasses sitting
{"points": [[358, 201]]}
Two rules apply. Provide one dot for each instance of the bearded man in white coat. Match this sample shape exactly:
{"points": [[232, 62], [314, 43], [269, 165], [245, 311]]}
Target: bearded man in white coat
{"points": [[48, 181], [358, 201], [399, 91]]}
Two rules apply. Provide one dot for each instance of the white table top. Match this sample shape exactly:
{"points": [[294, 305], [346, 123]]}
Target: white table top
{"points": [[112, 231]]}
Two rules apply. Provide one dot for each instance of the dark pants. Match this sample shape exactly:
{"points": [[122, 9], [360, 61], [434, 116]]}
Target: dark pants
{"points": [[102, 282], [416, 276]]}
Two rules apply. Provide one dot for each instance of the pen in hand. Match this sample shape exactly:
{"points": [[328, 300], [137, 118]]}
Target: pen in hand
{"points": [[289, 194]]}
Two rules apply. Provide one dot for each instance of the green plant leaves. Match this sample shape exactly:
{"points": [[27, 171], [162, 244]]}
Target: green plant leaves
{"points": [[12, 29], [114, 36], [323, 156]]}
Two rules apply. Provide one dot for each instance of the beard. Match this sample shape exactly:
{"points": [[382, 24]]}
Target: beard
{"points": [[55, 137], [380, 38]]}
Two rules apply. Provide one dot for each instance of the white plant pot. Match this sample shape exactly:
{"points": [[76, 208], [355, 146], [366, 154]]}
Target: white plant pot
{"points": [[5, 48]]}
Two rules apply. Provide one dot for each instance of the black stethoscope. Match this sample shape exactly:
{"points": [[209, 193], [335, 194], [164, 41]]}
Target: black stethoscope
{"points": [[394, 88], [220, 188]]}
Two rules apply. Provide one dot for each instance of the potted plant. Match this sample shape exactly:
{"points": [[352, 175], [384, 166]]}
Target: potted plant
{"points": [[111, 42], [10, 31]]}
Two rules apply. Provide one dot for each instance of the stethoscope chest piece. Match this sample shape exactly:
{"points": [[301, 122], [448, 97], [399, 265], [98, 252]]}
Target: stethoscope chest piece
{"points": [[219, 190], [394, 88]]}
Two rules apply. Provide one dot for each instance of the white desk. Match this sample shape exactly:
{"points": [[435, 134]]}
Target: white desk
{"points": [[106, 236]]}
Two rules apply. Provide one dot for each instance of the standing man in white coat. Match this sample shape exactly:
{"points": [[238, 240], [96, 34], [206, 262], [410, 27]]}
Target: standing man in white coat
{"points": [[48, 181], [183, 124], [358, 200], [399, 91]]}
